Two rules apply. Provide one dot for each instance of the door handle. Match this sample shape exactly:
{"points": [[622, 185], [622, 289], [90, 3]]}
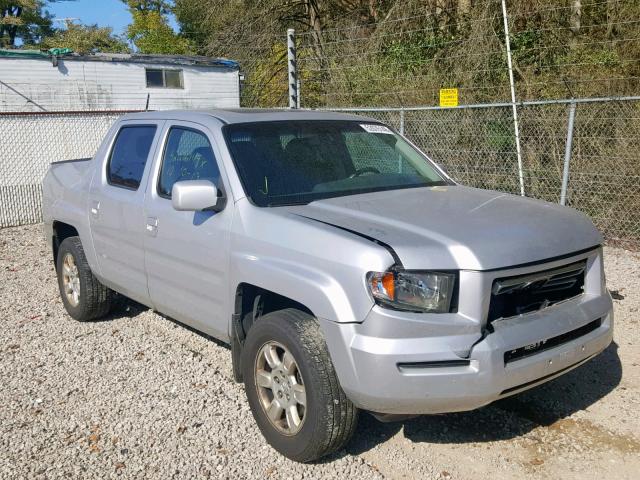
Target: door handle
{"points": [[152, 226], [95, 208]]}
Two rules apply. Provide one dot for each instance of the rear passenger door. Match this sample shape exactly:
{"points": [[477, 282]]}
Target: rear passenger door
{"points": [[116, 208], [187, 252]]}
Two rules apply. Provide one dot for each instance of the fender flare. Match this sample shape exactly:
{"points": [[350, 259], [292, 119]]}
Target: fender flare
{"points": [[315, 289]]}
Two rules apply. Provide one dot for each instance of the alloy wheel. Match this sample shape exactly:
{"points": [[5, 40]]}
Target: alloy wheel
{"points": [[71, 280], [281, 390]]}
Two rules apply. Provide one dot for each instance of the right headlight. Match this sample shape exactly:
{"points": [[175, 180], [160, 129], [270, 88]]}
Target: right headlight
{"points": [[413, 290]]}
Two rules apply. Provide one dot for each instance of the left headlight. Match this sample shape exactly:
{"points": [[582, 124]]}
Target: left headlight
{"points": [[413, 291]]}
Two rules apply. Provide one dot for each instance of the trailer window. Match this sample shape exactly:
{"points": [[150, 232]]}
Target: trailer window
{"points": [[164, 78]]}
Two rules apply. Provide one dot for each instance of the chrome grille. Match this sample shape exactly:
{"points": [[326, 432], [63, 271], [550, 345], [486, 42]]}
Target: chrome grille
{"points": [[521, 294]]}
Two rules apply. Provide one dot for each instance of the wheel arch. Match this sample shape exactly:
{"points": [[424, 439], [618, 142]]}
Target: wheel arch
{"points": [[252, 301], [60, 232]]}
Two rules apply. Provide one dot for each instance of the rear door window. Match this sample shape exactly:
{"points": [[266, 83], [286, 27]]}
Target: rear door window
{"points": [[129, 155]]}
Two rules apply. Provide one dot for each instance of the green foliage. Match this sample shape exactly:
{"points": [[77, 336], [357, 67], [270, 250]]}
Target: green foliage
{"points": [[267, 86], [190, 17], [160, 6], [150, 31], [86, 39], [499, 136], [401, 52], [606, 58], [413, 52], [23, 20], [525, 47]]}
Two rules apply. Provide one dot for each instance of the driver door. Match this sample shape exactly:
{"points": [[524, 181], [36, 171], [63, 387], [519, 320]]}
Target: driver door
{"points": [[187, 253]]}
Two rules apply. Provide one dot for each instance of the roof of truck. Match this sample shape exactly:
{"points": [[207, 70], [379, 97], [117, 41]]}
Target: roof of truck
{"points": [[245, 115]]}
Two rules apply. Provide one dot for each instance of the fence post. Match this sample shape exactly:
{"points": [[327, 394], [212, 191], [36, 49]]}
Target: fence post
{"points": [[567, 153], [513, 96], [292, 67], [401, 133]]}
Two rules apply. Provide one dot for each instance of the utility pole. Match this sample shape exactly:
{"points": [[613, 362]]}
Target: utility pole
{"points": [[513, 96]]}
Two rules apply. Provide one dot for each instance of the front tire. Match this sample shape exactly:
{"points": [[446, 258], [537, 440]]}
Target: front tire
{"points": [[293, 389], [83, 296]]}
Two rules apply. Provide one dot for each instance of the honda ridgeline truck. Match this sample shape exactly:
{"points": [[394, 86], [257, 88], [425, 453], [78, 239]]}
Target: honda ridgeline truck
{"points": [[346, 269]]}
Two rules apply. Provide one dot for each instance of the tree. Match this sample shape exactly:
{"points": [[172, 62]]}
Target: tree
{"points": [[150, 31], [367, 52], [86, 39], [23, 19]]}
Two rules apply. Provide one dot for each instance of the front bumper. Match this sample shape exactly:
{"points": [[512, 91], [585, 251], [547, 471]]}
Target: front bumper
{"points": [[450, 366]]}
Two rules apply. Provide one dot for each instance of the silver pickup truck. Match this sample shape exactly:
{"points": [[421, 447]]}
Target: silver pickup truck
{"points": [[345, 269]]}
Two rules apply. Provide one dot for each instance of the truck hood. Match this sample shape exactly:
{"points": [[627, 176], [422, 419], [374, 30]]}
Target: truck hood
{"points": [[455, 227]]}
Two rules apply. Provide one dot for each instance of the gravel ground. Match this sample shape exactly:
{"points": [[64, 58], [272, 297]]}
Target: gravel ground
{"points": [[138, 396]]}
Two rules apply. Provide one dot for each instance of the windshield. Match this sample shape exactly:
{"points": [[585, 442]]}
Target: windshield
{"points": [[296, 162]]}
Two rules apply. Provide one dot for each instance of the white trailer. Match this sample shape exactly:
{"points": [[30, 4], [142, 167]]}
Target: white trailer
{"points": [[36, 81]]}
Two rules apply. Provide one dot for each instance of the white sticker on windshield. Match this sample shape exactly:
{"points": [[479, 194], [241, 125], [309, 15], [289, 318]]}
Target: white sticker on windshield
{"points": [[374, 128]]}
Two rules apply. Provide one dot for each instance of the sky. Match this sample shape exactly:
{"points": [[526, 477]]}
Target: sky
{"points": [[106, 13]]}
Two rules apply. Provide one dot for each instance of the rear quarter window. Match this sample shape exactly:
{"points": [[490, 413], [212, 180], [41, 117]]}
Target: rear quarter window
{"points": [[129, 155]]}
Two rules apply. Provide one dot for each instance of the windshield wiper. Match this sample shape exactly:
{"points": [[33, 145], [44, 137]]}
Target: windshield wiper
{"points": [[289, 204]]}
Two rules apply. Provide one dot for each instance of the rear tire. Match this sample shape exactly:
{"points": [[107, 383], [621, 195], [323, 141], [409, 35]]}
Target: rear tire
{"points": [[327, 419], [83, 296]]}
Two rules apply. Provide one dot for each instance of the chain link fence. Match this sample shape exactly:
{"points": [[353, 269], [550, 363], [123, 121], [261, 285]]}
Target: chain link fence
{"points": [[475, 144], [31, 142]]}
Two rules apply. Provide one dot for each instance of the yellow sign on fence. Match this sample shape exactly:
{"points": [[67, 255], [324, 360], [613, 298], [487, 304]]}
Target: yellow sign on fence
{"points": [[448, 97]]}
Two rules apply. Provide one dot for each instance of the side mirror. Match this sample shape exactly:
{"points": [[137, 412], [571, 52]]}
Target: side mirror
{"points": [[196, 195]]}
